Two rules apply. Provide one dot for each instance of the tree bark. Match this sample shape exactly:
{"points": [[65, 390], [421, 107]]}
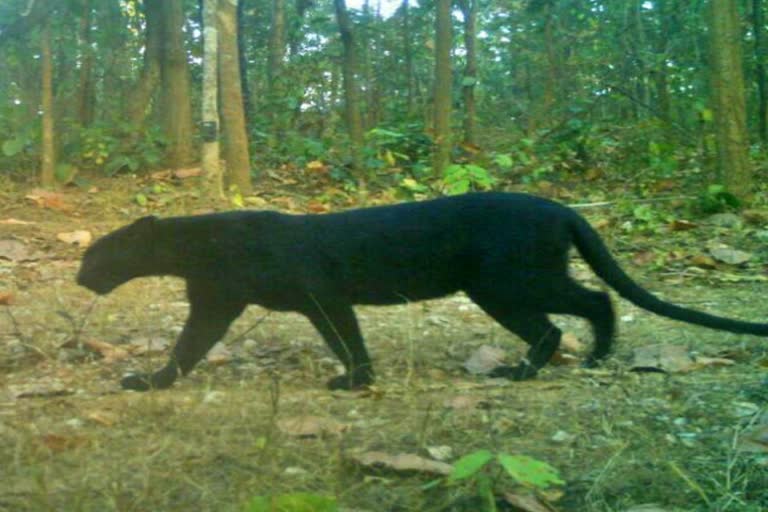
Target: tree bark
{"points": [[727, 81], [210, 109], [232, 106], [85, 92], [758, 26], [140, 99], [276, 53], [351, 92], [442, 87], [469, 10], [177, 115], [410, 92], [48, 164]]}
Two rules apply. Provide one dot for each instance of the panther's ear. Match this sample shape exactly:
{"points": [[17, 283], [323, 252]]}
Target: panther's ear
{"points": [[146, 222]]}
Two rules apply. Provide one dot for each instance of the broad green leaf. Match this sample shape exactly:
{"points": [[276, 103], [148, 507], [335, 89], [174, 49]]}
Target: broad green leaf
{"points": [[529, 471], [141, 199], [13, 147], [469, 465]]}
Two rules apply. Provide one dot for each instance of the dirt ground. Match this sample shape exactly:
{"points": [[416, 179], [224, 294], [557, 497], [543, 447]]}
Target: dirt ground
{"points": [[71, 440]]}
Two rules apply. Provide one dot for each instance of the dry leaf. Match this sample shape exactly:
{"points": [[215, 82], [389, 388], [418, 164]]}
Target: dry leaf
{"points": [[6, 298], [682, 225], [48, 199], [108, 351], [310, 426], [527, 502], [402, 462], [465, 403], [571, 343], [703, 261], [317, 166], [103, 418], [672, 358], [14, 250], [647, 507], [729, 255], [142, 346], [81, 238], [189, 172], [59, 443], [560, 358], [643, 258], [317, 207], [484, 359], [42, 389], [219, 354], [12, 221]]}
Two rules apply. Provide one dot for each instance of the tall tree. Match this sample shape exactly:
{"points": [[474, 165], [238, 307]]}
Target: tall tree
{"points": [[442, 87], [85, 91], [469, 11], [210, 109], [48, 147], [177, 115], [727, 81], [351, 91], [232, 105], [410, 87], [275, 55], [758, 26], [139, 101]]}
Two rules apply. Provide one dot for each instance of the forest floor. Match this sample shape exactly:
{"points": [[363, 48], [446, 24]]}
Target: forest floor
{"points": [[256, 419]]}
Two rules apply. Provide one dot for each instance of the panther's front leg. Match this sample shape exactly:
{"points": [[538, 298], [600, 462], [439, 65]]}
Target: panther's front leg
{"points": [[207, 323]]}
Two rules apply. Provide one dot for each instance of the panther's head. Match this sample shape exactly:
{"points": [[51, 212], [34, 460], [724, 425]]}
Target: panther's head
{"points": [[118, 257]]}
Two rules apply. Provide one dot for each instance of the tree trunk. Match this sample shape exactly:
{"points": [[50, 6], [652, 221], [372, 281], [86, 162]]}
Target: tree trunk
{"points": [[276, 108], [351, 93], [48, 150], [728, 98], [232, 106], [442, 87], [85, 92], [758, 26], [469, 10], [410, 92], [177, 115], [139, 102], [210, 110]]}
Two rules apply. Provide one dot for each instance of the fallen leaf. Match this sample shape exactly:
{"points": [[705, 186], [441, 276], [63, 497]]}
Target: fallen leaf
{"points": [[465, 403], [527, 502], [44, 389], [672, 358], [703, 261], [81, 238], [646, 507], [142, 346], [189, 172], [219, 354], [108, 351], [317, 166], [12, 221], [310, 426], [317, 207], [103, 418], [730, 256], [484, 359], [643, 258], [58, 443], [560, 358], [571, 343], [682, 225], [50, 200], [6, 298], [14, 250], [402, 462]]}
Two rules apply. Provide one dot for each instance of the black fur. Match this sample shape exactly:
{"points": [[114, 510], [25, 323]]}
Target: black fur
{"points": [[508, 252]]}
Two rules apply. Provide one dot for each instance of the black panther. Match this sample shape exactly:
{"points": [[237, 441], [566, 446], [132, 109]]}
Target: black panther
{"points": [[507, 252]]}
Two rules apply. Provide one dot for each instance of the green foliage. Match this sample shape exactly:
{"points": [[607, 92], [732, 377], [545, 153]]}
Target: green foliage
{"points": [[662, 159], [481, 469], [462, 178], [113, 150], [405, 146], [716, 199], [296, 502]]}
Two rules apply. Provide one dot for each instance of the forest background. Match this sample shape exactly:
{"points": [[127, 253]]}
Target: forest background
{"points": [[650, 116], [436, 96]]}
